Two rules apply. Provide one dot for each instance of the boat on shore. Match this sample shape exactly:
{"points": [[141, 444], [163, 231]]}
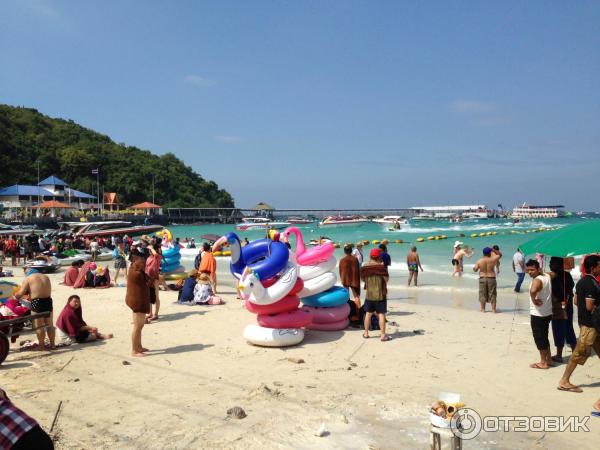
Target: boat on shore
{"points": [[260, 223], [106, 228], [342, 221]]}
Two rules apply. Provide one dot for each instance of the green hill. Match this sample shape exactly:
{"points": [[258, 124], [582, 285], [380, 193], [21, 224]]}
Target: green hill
{"points": [[71, 151]]}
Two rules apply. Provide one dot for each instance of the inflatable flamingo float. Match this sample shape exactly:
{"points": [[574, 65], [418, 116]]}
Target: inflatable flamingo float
{"points": [[304, 256]]}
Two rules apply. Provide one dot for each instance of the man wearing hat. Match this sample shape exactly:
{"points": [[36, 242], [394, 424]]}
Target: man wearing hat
{"points": [[486, 267], [457, 259], [375, 276], [357, 253]]}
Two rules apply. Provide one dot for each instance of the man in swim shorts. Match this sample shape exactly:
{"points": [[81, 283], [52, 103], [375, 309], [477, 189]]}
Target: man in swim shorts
{"points": [[39, 289], [457, 259], [414, 264], [486, 267]]}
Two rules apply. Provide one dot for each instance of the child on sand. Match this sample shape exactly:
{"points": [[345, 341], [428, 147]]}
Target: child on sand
{"points": [[203, 292]]}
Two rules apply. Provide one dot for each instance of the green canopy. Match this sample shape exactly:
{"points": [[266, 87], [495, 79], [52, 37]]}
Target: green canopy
{"points": [[578, 239]]}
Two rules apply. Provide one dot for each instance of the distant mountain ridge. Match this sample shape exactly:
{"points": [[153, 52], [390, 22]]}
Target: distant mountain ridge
{"points": [[70, 151]]}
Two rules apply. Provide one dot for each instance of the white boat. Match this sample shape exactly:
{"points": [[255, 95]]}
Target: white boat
{"points": [[526, 211], [390, 220], [299, 220], [466, 212], [260, 223], [43, 264], [67, 260], [339, 221]]}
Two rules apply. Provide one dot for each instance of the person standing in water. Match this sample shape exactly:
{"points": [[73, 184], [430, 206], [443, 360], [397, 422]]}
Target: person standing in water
{"points": [[414, 264], [457, 259]]}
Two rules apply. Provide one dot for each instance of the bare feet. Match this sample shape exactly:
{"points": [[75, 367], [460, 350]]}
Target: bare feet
{"points": [[138, 354], [538, 366], [597, 406]]}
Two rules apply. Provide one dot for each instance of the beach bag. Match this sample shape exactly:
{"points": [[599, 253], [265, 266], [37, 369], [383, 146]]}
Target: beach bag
{"points": [[153, 266]]}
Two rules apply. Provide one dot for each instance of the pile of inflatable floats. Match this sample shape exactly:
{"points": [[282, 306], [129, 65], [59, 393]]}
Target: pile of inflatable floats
{"points": [[274, 280]]}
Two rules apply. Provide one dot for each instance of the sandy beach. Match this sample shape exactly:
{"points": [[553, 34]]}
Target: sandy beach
{"points": [[368, 394]]}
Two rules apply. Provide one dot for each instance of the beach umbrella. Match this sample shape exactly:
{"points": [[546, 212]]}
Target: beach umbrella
{"points": [[572, 240], [52, 204]]}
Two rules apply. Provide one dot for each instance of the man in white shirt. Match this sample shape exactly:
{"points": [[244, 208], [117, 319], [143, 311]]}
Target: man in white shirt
{"points": [[518, 265]]}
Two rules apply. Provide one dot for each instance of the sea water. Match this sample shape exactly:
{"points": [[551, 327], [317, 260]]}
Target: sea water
{"points": [[435, 255]]}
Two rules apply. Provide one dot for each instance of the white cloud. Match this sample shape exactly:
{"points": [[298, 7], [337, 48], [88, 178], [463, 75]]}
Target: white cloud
{"points": [[471, 107], [228, 139], [199, 81]]}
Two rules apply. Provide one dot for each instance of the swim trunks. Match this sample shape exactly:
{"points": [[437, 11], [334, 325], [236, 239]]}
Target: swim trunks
{"points": [[455, 262], [413, 267], [40, 305]]}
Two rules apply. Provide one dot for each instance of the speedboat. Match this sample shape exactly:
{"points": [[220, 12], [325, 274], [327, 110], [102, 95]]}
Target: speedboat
{"points": [[43, 264], [339, 221], [390, 220], [299, 220], [107, 228], [260, 223]]}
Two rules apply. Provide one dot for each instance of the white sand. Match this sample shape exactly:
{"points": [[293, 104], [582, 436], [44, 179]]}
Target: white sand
{"points": [[368, 394]]}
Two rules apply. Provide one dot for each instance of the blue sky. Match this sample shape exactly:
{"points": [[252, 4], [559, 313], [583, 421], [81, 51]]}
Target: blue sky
{"points": [[311, 104]]}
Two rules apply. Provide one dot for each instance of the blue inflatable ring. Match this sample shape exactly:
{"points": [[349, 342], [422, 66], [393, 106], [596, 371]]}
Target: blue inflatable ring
{"points": [[169, 260], [335, 296], [265, 257], [169, 267], [171, 251]]}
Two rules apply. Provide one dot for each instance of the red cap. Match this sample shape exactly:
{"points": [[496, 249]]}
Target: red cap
{"points": [[375, 253]]}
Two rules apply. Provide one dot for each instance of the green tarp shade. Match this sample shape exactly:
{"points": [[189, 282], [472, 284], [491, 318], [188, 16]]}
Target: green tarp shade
{"points": [[578, 239]]}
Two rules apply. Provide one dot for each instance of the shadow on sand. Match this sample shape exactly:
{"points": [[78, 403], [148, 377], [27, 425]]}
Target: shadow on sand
{"points": [[180, 349], [182, 314]]}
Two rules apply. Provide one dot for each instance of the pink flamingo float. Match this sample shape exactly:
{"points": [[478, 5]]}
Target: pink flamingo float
{"points": [[304, 256]]}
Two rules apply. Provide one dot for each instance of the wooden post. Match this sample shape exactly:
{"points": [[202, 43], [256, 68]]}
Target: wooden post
{"points": [[436, 438]]}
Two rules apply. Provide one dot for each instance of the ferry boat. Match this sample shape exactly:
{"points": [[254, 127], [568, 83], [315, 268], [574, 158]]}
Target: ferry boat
{"points": [[526, 211], [390, 220], [339, 221], [260, 223], [107, 228]]}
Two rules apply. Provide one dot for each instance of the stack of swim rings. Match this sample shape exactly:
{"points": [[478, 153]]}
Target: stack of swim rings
{"points": [[269, 285], [170, 265], [316, 267]]}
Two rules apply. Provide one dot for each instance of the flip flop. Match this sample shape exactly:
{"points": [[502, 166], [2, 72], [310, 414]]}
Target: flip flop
{"points": [[575, 389], [386, 338], [365, 336], [595, 413], [537, 366]]}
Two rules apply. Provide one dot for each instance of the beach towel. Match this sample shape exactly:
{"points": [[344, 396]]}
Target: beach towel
{"points": [[350, 272], [71, 276], [376, 286], [70, 320], [80, 281]]}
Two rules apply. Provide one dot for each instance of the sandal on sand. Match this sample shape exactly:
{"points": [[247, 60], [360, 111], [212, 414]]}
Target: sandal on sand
{"points": [[366, 336], [386, 338], [537, 366], [575, 389]]}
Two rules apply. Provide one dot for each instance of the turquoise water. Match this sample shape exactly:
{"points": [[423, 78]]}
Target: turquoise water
{"points": [[435, 255]]}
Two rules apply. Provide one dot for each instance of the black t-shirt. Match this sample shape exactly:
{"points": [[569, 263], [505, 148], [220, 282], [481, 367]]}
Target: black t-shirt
{"points": [[586, 287]]}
